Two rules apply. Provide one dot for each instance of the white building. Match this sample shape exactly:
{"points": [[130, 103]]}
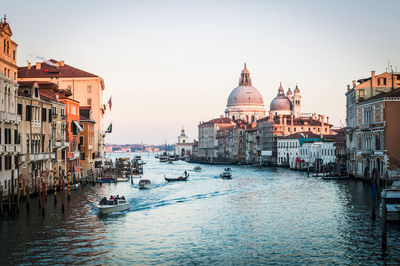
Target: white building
{"points": [[310, 151], [289, 148], [183, 148]]}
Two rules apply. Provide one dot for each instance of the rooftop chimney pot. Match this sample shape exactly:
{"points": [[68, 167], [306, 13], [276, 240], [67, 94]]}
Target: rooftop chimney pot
{"points": [[38, 66]]}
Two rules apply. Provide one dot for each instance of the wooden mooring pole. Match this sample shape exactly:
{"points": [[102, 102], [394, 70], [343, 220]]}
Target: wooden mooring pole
{"points": [[1, 202], [373, 194], [55, 186], [62, 196], [43, 198]]}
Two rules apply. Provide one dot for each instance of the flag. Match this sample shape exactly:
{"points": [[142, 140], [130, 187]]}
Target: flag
{"points": [[109, 129], [109, 103]]}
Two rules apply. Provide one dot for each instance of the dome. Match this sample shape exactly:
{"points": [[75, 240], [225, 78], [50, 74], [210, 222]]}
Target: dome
{"points": [[280, 103], [245, 95]]}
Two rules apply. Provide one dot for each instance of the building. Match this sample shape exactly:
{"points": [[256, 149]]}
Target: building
{"points": [[58, 126], [86, 88], [364, 117], [245, 102], [207, 148], [86, 141], [183, 148], [377, 152], [288, 148], [9, 117], [37, 153], [318, 153], [252, 145]]}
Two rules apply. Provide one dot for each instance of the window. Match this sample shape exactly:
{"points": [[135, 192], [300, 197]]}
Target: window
{"points": [[89, 101], [82, 157], [19, 109], [361, 94], [89, 88], [43, 141], [81, 140], [50, 115], [16, 137], [359, 141], [378, 141], [36, 92], [28, 116], [1, 162], [44, 114], [14, 55]]}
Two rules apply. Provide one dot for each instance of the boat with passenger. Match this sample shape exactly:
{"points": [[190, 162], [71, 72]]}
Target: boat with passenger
{"points": [[226, 175], [144, 184], [114, 204], [179, 178]]}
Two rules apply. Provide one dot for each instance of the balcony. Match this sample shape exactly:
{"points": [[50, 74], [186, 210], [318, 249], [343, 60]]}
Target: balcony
{"points": [[2, 148], [57, 144], [18, 148], [10, 148], [19, 119], [10, 117], [55, 115], [42, 156], [365, 126], [3, 116], [35, 124], [64, 144]]}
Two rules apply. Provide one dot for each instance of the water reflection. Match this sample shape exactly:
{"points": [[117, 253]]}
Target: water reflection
{"points": [[260, 216]]}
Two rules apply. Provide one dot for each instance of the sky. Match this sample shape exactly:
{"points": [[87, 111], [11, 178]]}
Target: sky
{"points": [[171, 64]]}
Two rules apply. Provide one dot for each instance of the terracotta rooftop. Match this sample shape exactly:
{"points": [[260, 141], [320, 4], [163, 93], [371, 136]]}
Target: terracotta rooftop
{"points": [[304, 134], [392, 93], [52, 68]]}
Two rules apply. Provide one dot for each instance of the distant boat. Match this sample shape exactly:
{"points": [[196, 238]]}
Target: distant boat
{"points": [[179, 178], [391, 196], [144, 184], [197, 168], [107, 180], [122, 179], [170, 162], [163, 157]]}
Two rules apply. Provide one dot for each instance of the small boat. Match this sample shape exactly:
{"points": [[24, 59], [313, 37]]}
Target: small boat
{"points": [[228, 169], [74, 186], [122, 179], [170, 162], [197, 168], [113, 205], [179, 178], [107, 180], [391, 197], [226, 175], [144, 184]]}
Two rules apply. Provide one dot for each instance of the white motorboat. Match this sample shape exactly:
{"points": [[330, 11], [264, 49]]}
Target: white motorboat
{"points": [[115, 205], [391, 197], [163, 158], [144, 184], [122, 179], [226, 175]]}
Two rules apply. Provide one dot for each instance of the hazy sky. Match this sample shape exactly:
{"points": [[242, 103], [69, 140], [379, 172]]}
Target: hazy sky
{"points": [[169, 64]]}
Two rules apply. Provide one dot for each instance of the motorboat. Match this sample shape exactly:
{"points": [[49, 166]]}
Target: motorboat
{"points": [[228, 169], [226, 175], [197, 168], [113, 205], [122, 179], [144, 184], [171, 158], [179, 178], [163, 158], [391, 197]]}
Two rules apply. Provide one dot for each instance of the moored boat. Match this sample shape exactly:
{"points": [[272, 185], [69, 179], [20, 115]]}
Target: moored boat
{"points": [[106, 180], [122, 179], [144, 184], [163, 158], [391, 199], [113, 205]]}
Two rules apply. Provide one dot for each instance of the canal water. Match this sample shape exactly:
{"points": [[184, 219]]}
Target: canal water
{"points": [[261, 216]]}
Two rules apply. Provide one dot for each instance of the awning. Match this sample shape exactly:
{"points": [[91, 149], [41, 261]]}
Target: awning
{"points": [[78, 126]]}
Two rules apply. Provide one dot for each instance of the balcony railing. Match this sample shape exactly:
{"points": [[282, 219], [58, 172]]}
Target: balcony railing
{"points": [[18, 148], [10, 117], [42, 156], [2, 148], [10, 148]]}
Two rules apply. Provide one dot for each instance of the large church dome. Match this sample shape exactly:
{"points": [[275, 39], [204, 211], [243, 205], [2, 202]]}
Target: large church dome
{"points": [[245, 94], [245, 102]]}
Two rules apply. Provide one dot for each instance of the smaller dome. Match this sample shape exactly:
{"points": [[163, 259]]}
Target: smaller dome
{"points": [[280, 103]]}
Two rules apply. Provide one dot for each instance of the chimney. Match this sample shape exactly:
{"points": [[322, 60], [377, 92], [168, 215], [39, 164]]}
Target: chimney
{"points": [[29, 65], [354, 83], [62, 63], [322, 120], [319, 118], [373, 79], [348, 87], [327, 119], [38, 66]]}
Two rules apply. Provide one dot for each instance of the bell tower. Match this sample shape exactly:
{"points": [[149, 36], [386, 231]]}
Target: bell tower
{"points": [[296, 102]]}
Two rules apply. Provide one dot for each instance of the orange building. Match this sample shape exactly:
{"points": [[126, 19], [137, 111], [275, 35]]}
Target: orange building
{"points": [[73, 129], [86, 141]]}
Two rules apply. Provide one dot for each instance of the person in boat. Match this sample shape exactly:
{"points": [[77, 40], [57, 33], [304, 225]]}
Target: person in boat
{"points": [[112, 197], [103, 200], [185, 173], [117, 197], [123, 197]]}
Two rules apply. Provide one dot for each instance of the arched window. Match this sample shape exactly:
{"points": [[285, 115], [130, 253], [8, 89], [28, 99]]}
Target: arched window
{"points": [[253, 119], [233, 117]]}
